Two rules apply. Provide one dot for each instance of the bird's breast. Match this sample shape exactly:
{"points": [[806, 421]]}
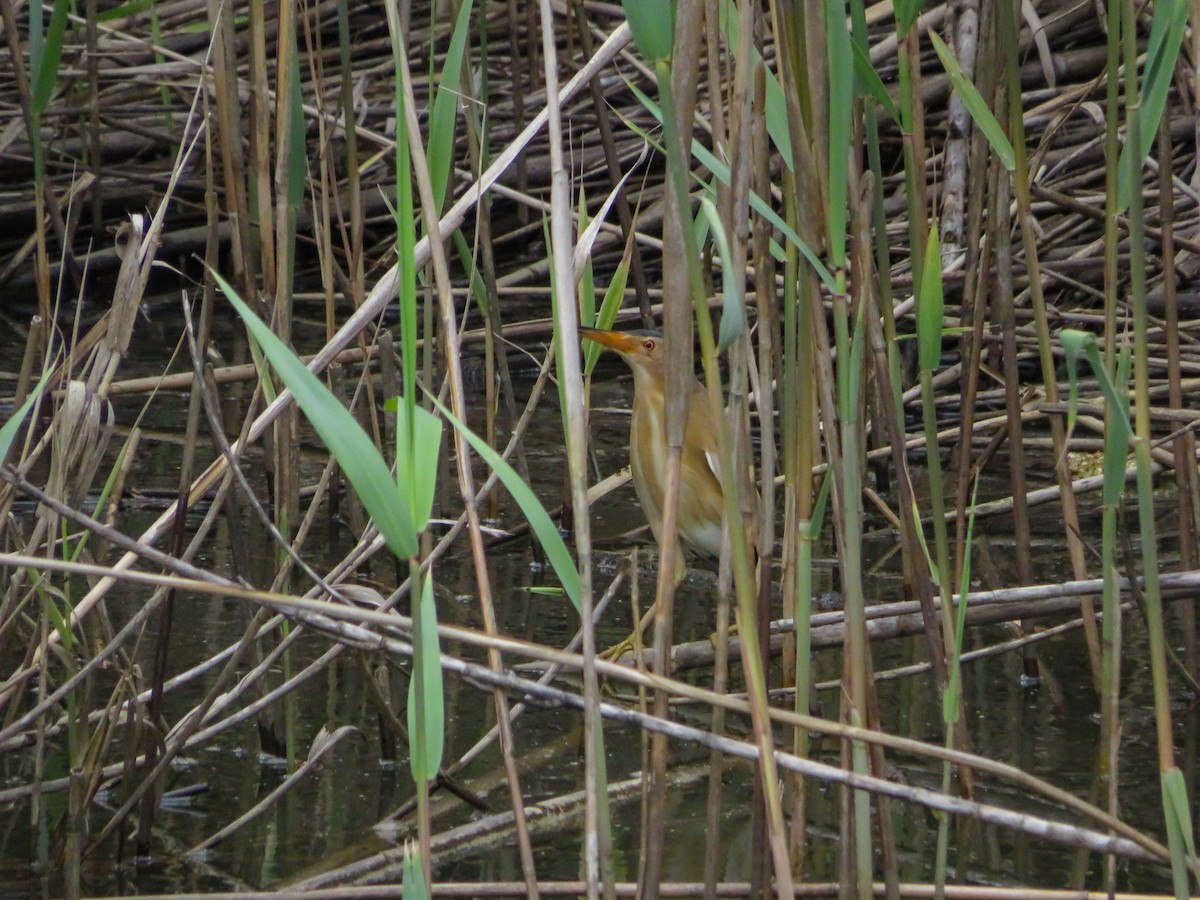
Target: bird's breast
{"points": [[700, 510], [648, 458]]}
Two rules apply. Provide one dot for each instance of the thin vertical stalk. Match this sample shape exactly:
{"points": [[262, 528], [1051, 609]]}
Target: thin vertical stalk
{"points": [[861, 247], [420, 726], [1184, 445], [960, 155], [91, 14], [1021, 181], [406, 289], [885, 346], [290, 183], [258, 134], [354, 250], [325, 186], [850, 343], [912, 129], [961, 237], [597, 833], [856, 665], [518, 84], [983, 278], [1178, 820], [929, 337], [752, 652], [768, 357], [735, 217], [1003, 309], [799, 443], [458, 399], [1109, 757], [33, 348], [229, 130], [681, 287], [328, 204], [76, 832], [718, 77], [713, 858], [883, 281], [798, 391], [937, 495], [162, 642], [33, 121]]}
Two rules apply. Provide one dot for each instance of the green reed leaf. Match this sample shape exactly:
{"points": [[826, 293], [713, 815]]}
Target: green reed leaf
{"points": [[652, 23], [413, 875], [1162, 52], [46, 52], [444, 114], [416, 476], [841, 113], [1179, 829], [975, 104], [931, 306], [1073, 341], [426, 700], [1078, 343], [125, 10], [733, 311], [358, 457], [539, 520], [906, 14], [869, 82], [8, 432], [405, 217], [609, 306]]}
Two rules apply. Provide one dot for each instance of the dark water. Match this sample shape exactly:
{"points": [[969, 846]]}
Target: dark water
{"points": [[1049, 729]]}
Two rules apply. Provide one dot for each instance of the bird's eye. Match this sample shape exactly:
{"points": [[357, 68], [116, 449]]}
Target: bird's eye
{"points": [[648, 343]]}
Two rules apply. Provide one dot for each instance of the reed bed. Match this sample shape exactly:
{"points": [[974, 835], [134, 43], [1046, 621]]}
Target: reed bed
{"points": [[927, 297]]}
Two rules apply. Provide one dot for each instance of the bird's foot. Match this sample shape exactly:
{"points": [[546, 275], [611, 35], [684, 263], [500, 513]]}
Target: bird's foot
{"points": [[635, 642], [617, 651], [731, 631]]}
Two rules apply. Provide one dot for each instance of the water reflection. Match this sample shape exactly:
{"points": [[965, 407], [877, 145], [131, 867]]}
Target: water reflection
{"points": [[1048, 729]]}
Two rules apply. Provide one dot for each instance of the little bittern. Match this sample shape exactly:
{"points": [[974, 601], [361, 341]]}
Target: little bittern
{"points": [[701, 500]]}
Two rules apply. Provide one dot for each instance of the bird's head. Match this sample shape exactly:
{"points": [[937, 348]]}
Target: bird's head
{"points": [[643, 349]]}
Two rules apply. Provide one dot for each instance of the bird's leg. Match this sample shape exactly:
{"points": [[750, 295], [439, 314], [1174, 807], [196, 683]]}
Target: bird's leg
{"points": [[635, 641]]}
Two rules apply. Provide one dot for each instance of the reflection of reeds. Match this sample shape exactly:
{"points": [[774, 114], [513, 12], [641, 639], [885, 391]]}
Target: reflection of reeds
{"points": [[276, 161]]}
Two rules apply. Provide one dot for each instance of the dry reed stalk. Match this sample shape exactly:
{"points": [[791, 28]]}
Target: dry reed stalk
{"points": [[453, 354], [317, 614], [354, 633]]}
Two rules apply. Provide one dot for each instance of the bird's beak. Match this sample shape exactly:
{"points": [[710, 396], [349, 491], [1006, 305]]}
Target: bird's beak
{"points": [[620, 341]]}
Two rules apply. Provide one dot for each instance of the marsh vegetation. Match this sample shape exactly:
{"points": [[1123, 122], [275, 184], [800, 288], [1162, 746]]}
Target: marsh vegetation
{"points": [[316, 515]]}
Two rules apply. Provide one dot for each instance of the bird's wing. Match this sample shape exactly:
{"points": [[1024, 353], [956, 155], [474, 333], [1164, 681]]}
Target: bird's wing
{"points": [[714, 463], [701, 433]]}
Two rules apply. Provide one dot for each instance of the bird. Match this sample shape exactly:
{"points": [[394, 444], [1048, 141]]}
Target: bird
{"points": [[701, 510]]}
